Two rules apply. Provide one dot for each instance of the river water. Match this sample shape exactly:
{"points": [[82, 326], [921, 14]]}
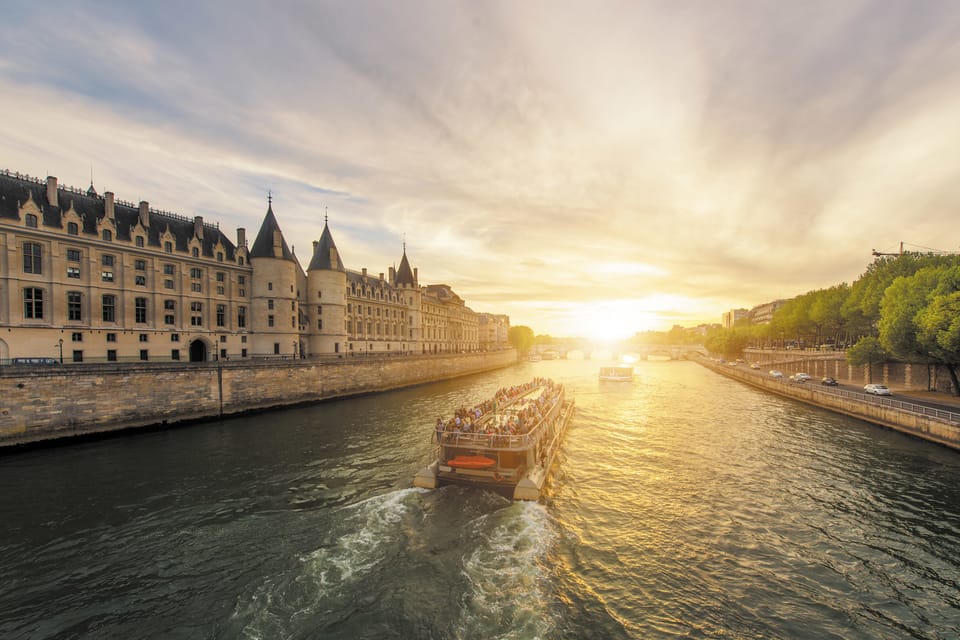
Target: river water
{"points": [[684, 505]]}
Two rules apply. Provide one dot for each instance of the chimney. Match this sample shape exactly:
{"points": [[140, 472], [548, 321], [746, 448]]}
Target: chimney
{"points": [[415, 277], [108, 205], [277, 244], [393, 275], [198, 227], [381, 276], [144, 212], [52, 191], [364, 272], [315, 243], [241, 237]]}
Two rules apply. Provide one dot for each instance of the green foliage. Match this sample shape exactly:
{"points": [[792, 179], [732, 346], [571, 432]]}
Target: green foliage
{"points": [[866, 351], [902, 301], [729, 343], [521, 337]]}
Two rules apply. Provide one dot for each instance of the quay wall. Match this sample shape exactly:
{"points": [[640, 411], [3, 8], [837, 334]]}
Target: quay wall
{"points": [[890, 416], [919, 377], [59, 402]]}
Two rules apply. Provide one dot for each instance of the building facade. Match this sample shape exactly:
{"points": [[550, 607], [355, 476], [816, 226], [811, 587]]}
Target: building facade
{"points": [[85, 277]]}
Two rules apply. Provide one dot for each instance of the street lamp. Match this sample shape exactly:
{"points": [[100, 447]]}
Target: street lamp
{"points": [[60, 344]]}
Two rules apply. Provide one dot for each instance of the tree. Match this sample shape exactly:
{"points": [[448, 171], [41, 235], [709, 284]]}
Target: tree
{"points": [[521, 337], [938, 324], [867, 351]]}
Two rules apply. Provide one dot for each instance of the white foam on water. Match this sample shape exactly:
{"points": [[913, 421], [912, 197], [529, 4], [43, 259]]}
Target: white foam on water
{"points": [[362, 540], [509, 582]]}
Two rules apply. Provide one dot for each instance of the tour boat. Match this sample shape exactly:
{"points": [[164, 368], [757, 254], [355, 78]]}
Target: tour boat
{"points": [[491, 456], [616, 374]]}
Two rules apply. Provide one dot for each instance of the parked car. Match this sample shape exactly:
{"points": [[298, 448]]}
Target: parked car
{"points": [[776, 374], [829, 382], [877, 389], [800, 377]]}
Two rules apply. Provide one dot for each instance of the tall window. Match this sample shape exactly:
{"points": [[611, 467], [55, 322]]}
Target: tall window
{"points": [[196, 314], [195, 252], [140, 265], [139, 241], [195, 272], [107, 235], [109, 304], [32, 258], [168, 247], [242, 317], [74, 311], [168, 269], [221, 315], [33, 303], [140, 310]]}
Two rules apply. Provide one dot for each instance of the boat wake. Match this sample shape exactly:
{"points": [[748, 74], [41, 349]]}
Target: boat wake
{"points": [[326, 586], [509, 585]]}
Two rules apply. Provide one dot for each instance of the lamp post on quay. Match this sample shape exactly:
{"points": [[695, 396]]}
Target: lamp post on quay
{"points": [[60, 344]]}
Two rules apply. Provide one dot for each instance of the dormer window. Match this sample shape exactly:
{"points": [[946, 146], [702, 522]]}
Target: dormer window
{"points": [[139, 241], [107, 235], [31, 220], [195, 252], [168, 247], [219, 256], [73, 229]]}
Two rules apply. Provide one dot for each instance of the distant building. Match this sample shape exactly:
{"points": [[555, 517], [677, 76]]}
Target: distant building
{"points": [[493, 330], [731, 317], [100, 279], [763, 313]]}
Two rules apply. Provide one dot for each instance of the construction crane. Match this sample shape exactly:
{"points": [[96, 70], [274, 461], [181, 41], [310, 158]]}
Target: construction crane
{"points": [[880, 253], [929, 251]]}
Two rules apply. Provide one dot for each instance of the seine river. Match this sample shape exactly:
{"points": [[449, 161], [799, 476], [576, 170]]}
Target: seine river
{"points": [[684, 505]]}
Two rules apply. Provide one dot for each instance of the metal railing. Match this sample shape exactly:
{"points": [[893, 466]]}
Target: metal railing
{"points": [[504, 442], [860, 396]]}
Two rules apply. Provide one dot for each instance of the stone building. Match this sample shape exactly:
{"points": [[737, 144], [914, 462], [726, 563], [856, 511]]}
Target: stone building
{"points": [[85, 277]]}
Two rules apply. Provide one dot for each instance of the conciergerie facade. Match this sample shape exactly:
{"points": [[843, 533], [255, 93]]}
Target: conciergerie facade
{"points": [[85, 277]]}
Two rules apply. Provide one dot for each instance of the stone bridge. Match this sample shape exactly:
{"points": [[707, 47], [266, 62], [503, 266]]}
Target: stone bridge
{"points": [[640, 351]]}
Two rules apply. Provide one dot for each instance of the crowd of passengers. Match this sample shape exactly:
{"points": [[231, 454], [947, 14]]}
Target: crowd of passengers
{"points": [[522, 416]]}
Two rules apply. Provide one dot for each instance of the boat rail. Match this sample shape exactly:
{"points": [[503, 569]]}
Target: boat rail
{"points": [[503, 442]]}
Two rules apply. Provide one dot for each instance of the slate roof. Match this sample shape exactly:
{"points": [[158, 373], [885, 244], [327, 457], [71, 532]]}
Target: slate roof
{"points": [[321, 253], [15, 191], [263, 245], [404, 272]]}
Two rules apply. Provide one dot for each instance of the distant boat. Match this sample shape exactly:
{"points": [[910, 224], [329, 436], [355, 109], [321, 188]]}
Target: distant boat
{"points": [[616, 374]]}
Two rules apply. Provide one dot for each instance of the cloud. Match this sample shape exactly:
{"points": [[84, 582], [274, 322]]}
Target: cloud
{"points": [[534, 157]]}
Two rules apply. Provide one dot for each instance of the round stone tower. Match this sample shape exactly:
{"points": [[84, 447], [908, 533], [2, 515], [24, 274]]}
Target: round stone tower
{"points": [[326, 297]]}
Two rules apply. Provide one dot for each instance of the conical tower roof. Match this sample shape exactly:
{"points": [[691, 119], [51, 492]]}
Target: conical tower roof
{"points": [[325, 253], [404, 272], [263, 245]]}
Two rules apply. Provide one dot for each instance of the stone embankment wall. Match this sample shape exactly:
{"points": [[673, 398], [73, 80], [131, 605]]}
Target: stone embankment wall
{"points": [[45, 403], [919, 377], [890, 415]]}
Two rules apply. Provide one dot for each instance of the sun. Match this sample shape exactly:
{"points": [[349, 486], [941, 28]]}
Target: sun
{"points": [[614, 320]]}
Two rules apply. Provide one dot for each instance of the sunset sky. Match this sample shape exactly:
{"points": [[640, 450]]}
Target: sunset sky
{"points": [[589, 168]]}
